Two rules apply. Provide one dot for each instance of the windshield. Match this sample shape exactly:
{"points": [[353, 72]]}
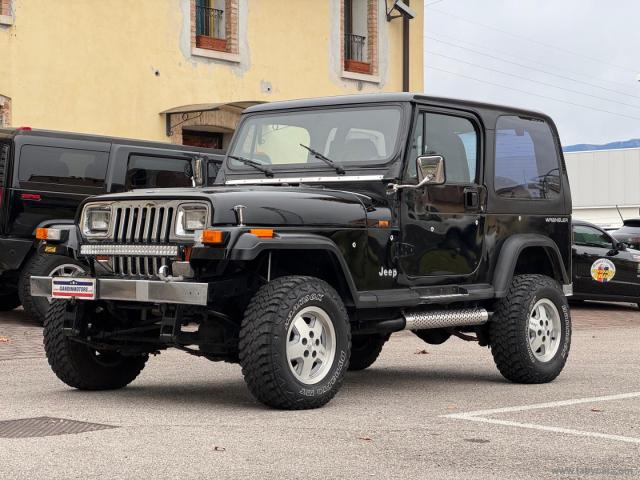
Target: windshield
{"points": [[349, 136]]}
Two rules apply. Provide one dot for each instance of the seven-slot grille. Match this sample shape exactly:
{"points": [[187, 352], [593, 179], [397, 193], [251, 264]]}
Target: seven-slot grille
{"points": [[141, 223], [144, 224]]}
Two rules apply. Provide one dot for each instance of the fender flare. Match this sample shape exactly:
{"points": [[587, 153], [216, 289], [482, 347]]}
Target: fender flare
{"points": [[247, 247], [510, 252]]}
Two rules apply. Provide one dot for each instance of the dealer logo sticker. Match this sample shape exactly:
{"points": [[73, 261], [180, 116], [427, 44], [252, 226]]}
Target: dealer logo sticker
{"points": [[603, 270]]}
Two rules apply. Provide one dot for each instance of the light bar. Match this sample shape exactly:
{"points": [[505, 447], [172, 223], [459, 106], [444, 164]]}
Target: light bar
{"points": [[134, 250]]}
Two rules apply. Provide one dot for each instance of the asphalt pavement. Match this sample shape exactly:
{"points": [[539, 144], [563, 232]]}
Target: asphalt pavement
{"points": [[421, 412]]}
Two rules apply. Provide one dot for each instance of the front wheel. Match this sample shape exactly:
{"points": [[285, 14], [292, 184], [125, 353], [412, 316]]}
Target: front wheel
{"points": [[46, 266], [530, 332], [295, 341], [80, 366]]}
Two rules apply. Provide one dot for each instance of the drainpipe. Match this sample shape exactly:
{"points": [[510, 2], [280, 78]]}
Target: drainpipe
{"points": [[405, 51]]}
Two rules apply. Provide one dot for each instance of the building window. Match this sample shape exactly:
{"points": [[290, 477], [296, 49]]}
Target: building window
{"points": [[360, 43], [6, 16], [215, 25], [5, 111]]}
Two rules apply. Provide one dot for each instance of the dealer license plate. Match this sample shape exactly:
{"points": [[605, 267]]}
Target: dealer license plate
{"points": [[84, 288]]}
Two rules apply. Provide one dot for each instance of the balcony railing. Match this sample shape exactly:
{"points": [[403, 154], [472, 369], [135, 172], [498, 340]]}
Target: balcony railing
{"points": [[209, 22], [355, 47]]}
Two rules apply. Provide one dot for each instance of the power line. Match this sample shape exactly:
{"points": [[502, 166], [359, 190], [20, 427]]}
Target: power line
{"points": [[433, 3], [515, 35], [534, 94], [533, 81], [457, 43]]}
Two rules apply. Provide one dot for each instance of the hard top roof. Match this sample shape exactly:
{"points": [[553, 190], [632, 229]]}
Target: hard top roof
{"points": [[388, 97], [13, 132]]}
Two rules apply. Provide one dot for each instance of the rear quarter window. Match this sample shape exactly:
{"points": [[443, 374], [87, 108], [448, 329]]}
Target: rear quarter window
{"points": [[527, 164], [58, 168]]}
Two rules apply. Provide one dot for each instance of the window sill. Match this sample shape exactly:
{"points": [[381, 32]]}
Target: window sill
{"points": [[210, 43], [6, 19], [355, 66], [362, 77], [215, 54]]}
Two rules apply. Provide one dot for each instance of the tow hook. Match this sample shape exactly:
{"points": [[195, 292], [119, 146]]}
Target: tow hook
{"points": [[162, 274]]}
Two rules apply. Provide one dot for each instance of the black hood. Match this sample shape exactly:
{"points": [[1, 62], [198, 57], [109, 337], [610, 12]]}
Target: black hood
{"points": [[268, 205]]}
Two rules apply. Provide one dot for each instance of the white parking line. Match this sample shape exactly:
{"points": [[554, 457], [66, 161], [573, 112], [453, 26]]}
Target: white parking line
{"points": [[480, 416]]}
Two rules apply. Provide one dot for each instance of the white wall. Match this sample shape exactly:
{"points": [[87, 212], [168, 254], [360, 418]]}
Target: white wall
{"points": [[603, 179]]}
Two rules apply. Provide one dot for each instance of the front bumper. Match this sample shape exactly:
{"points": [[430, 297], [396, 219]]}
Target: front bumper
{"points": [[151, 291]]}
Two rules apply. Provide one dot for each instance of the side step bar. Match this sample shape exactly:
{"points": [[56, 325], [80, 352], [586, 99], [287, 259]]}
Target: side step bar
{"points": [[459, 317]]}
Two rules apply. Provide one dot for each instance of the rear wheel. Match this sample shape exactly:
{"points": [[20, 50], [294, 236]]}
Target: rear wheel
{"points": [[46, 266], [294, 343], [81, 366], [530, 332], [365, 350]]}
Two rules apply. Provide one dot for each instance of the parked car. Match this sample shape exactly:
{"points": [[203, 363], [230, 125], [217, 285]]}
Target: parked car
{"points": [[341, 220], [45, 175], [629, 233], [604, 268]]}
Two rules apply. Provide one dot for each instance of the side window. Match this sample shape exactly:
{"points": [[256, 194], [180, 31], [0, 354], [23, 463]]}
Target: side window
{"points": [[527, 164], [62, 166], [4, 159], [454, 138], [590, 237], [157, 172]]}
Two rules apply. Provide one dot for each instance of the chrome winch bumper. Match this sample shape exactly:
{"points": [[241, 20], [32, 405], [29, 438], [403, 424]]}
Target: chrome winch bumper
{"points": [[151, 291]]}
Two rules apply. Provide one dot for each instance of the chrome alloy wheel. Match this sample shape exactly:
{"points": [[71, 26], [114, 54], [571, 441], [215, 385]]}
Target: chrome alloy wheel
{"points": [[545, 330], [66, 270], [311, 345]]}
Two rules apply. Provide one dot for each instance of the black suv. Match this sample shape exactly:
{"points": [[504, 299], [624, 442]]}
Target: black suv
{"points": [[45, 175], [341, 220], [629, 233]]}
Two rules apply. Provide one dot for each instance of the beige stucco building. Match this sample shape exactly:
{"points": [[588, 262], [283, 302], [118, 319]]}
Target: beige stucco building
{"points": [[182, 70]]}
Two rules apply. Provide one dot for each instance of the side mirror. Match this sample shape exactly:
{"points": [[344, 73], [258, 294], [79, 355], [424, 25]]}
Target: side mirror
{"points": [[430, 170], [198, 171]]}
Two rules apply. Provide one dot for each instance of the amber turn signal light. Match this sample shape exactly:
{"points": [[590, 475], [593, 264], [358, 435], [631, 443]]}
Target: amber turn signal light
{"points": [[383, 223], [262, 232], [211, 237], [48, 234]]}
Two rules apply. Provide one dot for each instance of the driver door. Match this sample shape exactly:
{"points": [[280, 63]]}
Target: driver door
{"points": [[442, 225]]}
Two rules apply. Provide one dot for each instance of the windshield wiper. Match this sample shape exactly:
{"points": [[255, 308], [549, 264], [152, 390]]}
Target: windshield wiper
{"points": [[266, 170], [328, 161]]}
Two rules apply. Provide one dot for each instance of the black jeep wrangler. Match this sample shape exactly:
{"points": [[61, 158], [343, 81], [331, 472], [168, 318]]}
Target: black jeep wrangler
{"points": [[45, 175], [338, 222]]}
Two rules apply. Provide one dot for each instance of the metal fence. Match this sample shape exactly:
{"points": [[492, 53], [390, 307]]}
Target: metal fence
{"points": [[209, 22], [355, 47]]}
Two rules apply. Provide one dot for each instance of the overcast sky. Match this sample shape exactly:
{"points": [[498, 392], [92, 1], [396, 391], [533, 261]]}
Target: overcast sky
{"points": [[575, 60]]}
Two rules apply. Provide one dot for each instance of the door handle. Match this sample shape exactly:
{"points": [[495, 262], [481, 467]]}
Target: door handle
{"points": [[471, 198]]}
